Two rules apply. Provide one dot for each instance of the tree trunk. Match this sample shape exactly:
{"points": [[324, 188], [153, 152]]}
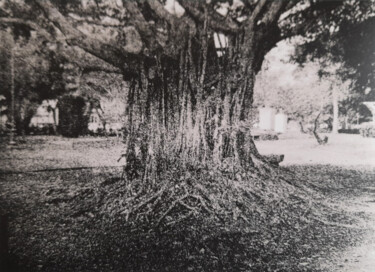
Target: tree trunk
{"points": [[335, 103], [317, 137], [211, 126], [54, 115], [302, 129]]}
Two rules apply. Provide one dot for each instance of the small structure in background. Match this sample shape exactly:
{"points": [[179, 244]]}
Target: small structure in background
{"points": [[46, 115], [368, 129], [270, 120], [281, 122], [267, 118], [96, 123], [371, 107], [46, 118], [101, 124], [270, 124]]}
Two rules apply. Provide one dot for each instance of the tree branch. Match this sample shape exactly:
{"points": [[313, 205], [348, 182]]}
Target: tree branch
{"points": [[161, 12], [274, 12], [117, 56], [216, 21], [257, 11], [90, 69], [30, 24], [147, 31]]}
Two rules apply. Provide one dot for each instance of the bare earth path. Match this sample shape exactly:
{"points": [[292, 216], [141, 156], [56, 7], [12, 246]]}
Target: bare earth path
{"points": [[352, 152], [360, 258]]}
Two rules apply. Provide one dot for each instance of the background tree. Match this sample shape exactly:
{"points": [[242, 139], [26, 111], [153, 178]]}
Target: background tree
{"points": [[73, 116], [32, 74], [107, 92], [351, 46], [302, 92]]}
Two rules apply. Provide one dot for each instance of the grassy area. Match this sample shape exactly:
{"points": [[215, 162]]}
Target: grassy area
{"points": [[59, 220]]}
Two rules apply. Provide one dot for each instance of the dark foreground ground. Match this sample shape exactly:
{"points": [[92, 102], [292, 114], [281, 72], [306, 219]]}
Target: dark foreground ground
{"points": [[57, 223]]}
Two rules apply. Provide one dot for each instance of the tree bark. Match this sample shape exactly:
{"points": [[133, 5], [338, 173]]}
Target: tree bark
{"points": [[317, 137]]}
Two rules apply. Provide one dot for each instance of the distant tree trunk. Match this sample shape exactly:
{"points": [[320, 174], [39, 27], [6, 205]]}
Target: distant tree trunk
{"points": [[25, 110], [301, 127], [12, 91], [54, 114], [335, 122], [317, 137]]}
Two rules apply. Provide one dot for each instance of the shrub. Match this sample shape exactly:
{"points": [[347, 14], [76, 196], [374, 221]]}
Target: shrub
{"points": [[349, 131], [73, 119], [367, 129]]}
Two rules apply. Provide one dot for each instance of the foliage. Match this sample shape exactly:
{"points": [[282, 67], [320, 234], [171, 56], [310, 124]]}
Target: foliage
{"points": [[35, 74], [367, 130], [348, 40], [296, 91], [300, 91], [107, 92], [73, 117]]}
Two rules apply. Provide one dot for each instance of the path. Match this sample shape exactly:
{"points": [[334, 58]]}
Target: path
{"points": [[360, 258], [349, 151]]}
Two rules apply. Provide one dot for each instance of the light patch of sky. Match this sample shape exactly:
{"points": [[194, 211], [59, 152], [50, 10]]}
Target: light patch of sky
{"points": [[290, 75], [173, 7], [280, 76], [223, 9], [278, 64]]}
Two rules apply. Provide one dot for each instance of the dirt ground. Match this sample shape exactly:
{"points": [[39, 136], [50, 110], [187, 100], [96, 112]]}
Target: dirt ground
{"points": [[35, 153], [351, 152], [341, 149], [52, 211]]}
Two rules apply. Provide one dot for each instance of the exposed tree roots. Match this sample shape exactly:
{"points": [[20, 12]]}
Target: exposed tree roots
{"points": [[227, 194]]}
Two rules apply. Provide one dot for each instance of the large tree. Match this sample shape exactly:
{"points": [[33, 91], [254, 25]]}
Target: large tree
{"points": [[189, 97]]}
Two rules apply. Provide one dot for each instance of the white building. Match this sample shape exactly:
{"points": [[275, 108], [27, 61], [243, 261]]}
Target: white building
{"points": [[46, 114], [95, 122], [270, 120]]}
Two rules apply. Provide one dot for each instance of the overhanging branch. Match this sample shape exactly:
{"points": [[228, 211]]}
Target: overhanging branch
{"points": [[30, 24], [215, 20], [113, 55]]}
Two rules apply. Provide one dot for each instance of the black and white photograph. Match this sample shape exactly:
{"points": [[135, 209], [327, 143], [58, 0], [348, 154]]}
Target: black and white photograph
{"points": [[187, 135]]}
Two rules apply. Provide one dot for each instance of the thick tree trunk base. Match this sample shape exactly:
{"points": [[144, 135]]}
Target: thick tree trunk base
{"points": [[178, 192]]}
